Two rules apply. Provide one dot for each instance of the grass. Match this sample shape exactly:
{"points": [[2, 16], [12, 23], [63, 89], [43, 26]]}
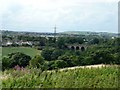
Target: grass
{"points": [[0, 55], [105, 77], [26, 50]]}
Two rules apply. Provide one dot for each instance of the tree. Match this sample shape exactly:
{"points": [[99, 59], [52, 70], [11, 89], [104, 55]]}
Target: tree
{"points": [[56, 53], [71, 60], [51, 65], [6, 63], [60, 64], [46, 53], [72, 40], [60, 43], [95, 41], [37, 61], [117, 58], [19, 58], [102, 56]]}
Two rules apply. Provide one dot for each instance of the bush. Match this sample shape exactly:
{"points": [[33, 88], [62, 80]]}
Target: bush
{"points": [[55, 64], [19, 59], [46, 54], [51, 65], [102, 56], [60, 64], [56, 53], [37, 61], [6, 63], [72, 60], [51, 54], [87, 61]]}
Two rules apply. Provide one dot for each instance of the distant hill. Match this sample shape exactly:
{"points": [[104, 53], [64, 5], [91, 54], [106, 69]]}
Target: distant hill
{"points": [[89, 33], [12, 33], [86, 32]]}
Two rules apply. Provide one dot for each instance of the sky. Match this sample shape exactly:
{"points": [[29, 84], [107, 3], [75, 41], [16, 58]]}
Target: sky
{"points": [[67, 15]]}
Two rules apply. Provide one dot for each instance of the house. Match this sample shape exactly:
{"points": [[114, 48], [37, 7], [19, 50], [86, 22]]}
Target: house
{"points": [[27, 43], [9, 43]]}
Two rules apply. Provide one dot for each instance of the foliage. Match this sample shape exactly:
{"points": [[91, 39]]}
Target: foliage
{"points": [[6, 63], [56, 53], [100, 51], [95, 41], [104, 77], [51, 54], [60, 64], [37, 61], [72, 40], [60, 43], [102, 56], [46, 53], [71, 60], [19, 59], [14, 59]]}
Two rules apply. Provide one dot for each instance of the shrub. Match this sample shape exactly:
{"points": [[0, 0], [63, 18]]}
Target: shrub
{"points": [[72, 60], [46, 54], [56, 53], [37, 61], [18, 58], [60, 64], [51, 65], [6, 63]]}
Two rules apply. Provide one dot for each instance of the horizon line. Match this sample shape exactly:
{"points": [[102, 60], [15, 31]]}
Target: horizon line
{"points": [[59, 31]]}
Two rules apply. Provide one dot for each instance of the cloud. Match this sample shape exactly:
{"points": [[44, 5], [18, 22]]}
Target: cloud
{"points": [[42, 15]]}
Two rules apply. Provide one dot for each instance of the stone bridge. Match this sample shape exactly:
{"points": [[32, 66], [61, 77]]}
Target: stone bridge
{"points": [[77, 47]]}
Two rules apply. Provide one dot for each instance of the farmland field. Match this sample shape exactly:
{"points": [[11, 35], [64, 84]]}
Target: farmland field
{"points": [[26, 50], [104, 77]]}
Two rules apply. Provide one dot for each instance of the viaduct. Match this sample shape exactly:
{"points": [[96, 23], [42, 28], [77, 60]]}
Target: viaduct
{"points": [[77, 47]]}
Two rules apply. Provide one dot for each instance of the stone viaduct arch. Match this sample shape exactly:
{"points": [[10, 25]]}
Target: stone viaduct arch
{"points": [[77, 47]]}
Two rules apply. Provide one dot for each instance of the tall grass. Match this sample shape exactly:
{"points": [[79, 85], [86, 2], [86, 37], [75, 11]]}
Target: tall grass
{"points": [[105, 77]]}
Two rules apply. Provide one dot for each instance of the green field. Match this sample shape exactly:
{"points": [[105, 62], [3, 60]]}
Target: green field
{"points": [[26, 50], [0, 66], [105, 77]]}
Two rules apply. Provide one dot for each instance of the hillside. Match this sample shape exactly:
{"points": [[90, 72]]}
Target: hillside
{"points": [[29, 51], [90, 33], [104, 77]]}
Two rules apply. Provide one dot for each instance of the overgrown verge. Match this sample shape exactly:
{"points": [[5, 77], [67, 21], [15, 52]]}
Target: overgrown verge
{"points": [[105, 77]]}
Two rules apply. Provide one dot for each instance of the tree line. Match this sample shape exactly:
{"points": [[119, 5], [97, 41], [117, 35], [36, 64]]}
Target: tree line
{"points": [[57, 56]]}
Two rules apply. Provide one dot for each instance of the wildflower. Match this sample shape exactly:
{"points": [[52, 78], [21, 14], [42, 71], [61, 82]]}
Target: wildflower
{"points": [[17, 67]]}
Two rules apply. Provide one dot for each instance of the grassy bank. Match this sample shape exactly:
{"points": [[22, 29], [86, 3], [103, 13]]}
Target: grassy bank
{"points": [[105, 77], [26, 50]]}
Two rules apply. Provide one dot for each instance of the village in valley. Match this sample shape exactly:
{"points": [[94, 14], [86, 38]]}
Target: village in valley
{"points": [[35, 54], [59, 44], [12, 38]]}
